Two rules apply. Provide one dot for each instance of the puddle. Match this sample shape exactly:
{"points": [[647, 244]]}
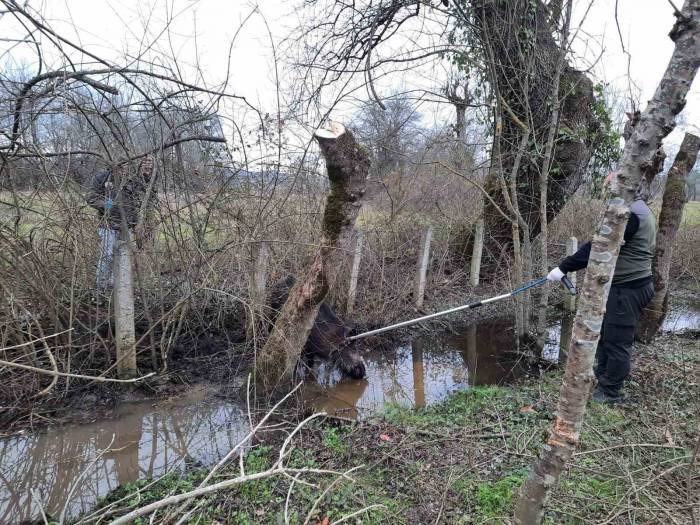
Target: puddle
{"points": [[682, 320], [425, 371], [65, 464]]}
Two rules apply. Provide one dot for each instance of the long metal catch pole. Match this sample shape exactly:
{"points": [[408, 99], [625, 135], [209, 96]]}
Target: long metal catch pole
{"points": [[531, 284]]}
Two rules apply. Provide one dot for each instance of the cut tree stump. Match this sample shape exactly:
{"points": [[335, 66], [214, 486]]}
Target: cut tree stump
{"points": [[347, 164]]}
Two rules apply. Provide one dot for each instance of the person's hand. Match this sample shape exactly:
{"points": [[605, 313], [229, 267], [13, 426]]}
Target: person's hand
{"points": [[555, 275]]}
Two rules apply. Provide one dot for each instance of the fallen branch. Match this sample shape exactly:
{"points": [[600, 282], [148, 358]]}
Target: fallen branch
{"points": [[98, 379], [177, 498], [250, 434]]}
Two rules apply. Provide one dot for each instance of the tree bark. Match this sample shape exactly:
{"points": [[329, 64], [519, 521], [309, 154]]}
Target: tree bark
{"points": [[655, 123], [347, 164], [541, 321], [524, 74], [669, 220]]}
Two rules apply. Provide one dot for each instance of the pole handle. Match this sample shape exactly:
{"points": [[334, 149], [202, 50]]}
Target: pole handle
{"points": [[569, 285]]}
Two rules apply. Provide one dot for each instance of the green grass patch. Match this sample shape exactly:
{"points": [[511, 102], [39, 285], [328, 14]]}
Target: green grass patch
{"points": [[334, 440], [488, 501], [494, 499], [691, 214], [455, 410]]}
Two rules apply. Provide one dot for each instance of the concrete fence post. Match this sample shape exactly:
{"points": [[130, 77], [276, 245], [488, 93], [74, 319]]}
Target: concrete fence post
{"points": [[355, 272], [124, 328], [567, 322], [475, 269], [423, 259], [570, 300]]}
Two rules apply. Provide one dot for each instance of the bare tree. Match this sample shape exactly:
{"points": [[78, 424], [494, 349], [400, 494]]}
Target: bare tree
{"points": [[654, 124], [518, 39]]}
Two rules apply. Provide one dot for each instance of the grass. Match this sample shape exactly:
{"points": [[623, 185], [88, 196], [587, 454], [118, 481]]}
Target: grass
{"points": [[691, 214], [465, 458]]}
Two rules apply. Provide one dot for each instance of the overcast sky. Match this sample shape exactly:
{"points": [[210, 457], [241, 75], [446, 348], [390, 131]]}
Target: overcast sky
{"points": [[202, 30]]}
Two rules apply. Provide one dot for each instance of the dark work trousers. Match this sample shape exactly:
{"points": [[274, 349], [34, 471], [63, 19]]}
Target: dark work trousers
{"points": [[614, 351]]}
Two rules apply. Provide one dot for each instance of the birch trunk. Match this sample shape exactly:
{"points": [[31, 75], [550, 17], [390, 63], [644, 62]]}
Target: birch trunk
{"points": [[669, 220], [347, 165], [655, 123]]}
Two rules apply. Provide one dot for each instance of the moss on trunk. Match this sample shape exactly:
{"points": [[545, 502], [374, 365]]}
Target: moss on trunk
{"points": [[347, 165]]}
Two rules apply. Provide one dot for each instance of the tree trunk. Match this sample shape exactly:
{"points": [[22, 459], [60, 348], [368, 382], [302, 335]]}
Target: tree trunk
{"points": [[124, 308], [524, 79], [347, 164], [669, 220], [541, 322], [655, 123]]}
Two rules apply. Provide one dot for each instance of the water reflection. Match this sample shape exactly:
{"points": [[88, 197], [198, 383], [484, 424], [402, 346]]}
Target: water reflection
{"points": [[682, 320], [425, 371], [78, 464], [65, 467]]}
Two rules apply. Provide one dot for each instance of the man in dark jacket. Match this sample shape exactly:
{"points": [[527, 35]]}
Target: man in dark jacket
{"points": [[630, 292], [118, 203]]}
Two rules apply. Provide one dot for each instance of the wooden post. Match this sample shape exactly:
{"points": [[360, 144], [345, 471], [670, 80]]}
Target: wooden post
{"points": [[258, 286], [570, 300], [124, 308], [477, 250], [423, 258], [418, 373], [354, 274]]}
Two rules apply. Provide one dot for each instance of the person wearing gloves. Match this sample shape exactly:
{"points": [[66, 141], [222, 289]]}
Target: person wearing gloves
{"points": [[631, 290]]}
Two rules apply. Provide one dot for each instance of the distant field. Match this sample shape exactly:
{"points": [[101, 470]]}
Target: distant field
{"points": [[691, 214]]}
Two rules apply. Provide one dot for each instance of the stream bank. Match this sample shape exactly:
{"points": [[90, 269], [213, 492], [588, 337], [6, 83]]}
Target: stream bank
{"points": [[71, 467], [463, 459]]}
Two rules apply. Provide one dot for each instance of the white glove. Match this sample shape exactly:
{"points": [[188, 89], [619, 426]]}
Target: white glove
{"points": [[555, 275]]}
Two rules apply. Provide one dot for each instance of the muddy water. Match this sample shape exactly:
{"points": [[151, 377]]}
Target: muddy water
{"points": [[65, 469], [68, 470], [681, 320], [424, 371]]}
